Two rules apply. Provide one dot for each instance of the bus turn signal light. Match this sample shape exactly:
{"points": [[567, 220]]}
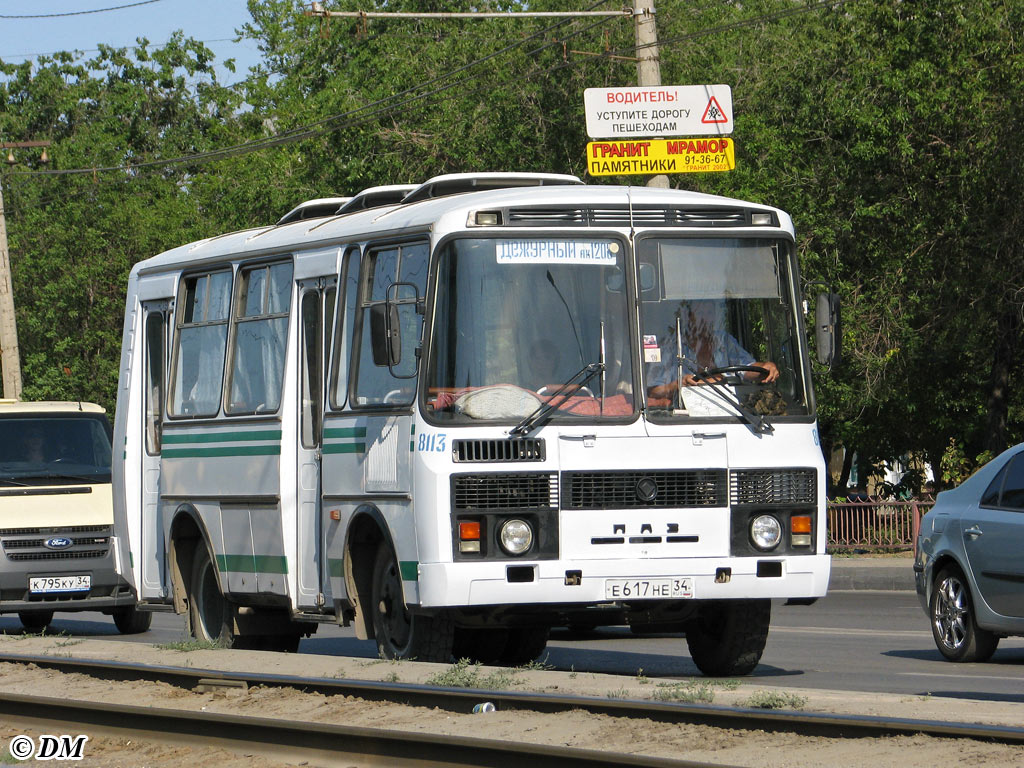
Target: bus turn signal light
{"points": [[800, 530], [469, 536]]}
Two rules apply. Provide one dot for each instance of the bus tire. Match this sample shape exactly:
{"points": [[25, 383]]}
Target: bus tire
{"points": [[35, 621], [209, 612], [399, 633], [729, 636], [524, 645], [132, 621]]}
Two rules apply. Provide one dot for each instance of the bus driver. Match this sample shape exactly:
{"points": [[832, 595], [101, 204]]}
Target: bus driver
{"points": [[705, 345]]}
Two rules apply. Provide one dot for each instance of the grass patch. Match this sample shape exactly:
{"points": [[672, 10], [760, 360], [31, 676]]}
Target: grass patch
{"points": [[191, 645], [6, 758], [466, 674], [689, 691], [775, 700]]}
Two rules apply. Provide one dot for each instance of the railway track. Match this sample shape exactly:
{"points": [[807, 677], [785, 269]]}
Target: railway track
{"points": [[327, 744]]}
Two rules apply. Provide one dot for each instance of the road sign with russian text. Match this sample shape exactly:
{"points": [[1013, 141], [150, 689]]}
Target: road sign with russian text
{"points": [[657, 156], [658, 111]]}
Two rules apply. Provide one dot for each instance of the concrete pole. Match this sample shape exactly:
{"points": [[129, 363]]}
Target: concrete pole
{"points": [[9, 361], [648, 65]]}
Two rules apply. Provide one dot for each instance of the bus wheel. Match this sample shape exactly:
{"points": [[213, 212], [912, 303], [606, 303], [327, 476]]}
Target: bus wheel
{"points": [[209, 613], [524, 645], [35, 621], [729, 636], [132, 621], [400, 634]]}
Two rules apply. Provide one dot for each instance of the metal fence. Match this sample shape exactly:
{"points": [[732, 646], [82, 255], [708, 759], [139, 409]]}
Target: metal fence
{"points": [[875, 523]]}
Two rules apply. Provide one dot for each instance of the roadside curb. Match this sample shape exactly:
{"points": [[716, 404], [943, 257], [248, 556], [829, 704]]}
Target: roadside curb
{"points": [[885, 573]]}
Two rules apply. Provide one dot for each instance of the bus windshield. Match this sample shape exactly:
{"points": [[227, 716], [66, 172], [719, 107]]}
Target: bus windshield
{"points": [[516, 319], [719, 329]]}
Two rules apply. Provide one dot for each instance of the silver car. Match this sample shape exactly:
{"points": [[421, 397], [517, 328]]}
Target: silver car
{"points": [[969, 567]]}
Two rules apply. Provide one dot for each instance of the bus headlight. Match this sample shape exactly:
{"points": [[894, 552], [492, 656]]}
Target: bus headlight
{"points": [[515, 536], [765, 532]]}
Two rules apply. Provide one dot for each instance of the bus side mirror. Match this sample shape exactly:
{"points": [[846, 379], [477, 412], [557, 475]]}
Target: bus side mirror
{"points": [[828, 331], [385, 334]]}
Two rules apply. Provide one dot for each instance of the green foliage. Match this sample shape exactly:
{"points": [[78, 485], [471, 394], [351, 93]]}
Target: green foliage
{"points": [[775, 700], [888, 129], [466, 674]]}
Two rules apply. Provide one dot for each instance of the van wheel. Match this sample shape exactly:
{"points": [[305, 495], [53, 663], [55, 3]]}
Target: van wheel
{"points": [[132, 621], [954, 628], [401, 634], [729, 636], [209, 612], [35, 621]]}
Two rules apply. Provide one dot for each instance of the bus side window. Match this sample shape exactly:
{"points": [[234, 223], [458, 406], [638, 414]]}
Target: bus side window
{"points": [[375, 385], [201, 341], [261, 331], [155, 356], [348, 299]]}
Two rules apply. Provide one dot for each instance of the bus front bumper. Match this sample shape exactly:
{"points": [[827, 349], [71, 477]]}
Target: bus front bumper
{"points": [[594, 582]]}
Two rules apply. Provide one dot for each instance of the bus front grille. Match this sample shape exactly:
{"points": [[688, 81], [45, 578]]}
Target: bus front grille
{"points": [[505, 490], [632, 489], [767, 487]]}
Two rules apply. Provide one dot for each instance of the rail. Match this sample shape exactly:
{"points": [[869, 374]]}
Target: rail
{"points": [[875, 523]]}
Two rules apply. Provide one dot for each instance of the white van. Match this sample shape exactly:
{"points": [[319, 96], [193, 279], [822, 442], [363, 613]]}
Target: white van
{"points": [[56, 516]]}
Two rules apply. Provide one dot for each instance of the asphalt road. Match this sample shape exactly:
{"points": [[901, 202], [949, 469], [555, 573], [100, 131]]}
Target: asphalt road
{"points": [[854, 641]]}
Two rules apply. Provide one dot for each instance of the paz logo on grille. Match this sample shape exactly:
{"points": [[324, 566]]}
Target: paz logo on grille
{"points": [[58, 542], [647, 489]]}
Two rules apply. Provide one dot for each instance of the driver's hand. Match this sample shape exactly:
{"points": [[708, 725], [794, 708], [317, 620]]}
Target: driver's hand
{"points": [[690, 380], [773, 372]]}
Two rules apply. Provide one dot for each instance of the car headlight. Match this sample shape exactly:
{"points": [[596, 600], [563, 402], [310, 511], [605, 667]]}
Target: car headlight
{"points": [[515, 536], [765, 532]]}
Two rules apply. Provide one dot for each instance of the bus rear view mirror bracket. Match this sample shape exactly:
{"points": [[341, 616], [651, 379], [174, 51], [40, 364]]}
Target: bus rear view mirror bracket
{"points": [[828, 330], [386, 325]]}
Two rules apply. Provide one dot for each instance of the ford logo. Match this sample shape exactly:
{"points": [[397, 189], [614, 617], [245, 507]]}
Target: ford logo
{"points": [[58, 542]]}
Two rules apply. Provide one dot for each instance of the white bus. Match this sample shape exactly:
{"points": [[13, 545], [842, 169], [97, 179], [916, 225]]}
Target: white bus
{"points": [[463, 418]]}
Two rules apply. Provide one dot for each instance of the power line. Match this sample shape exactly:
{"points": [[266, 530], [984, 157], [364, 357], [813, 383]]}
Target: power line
{"points": [[360, 115], [321, 126], [80, 13]]}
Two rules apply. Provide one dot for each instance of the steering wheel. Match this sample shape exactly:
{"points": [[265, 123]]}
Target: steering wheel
{"points": [[585, 390], [736, 370]]}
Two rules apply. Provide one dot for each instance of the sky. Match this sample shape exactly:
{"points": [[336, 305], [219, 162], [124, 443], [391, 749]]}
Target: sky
{"points": [[212, 21]]}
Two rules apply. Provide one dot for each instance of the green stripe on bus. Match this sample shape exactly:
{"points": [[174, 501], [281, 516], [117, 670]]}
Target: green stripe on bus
{"points": [[222, 437], [345, 432], [344, 448], [410, 570], [252, 564], [335, 567], [224, 450]]}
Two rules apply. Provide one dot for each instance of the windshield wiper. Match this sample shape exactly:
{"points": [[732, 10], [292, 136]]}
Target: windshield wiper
{"points": [[757, 422], [567, 390]]}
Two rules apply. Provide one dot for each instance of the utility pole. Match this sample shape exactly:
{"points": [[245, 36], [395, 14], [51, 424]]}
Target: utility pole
{"points": [[648, 63], [9, 355]]}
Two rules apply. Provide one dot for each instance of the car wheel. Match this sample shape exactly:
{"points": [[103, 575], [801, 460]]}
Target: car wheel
{"points": [[132, 621], [35, 621], [957, 634]]}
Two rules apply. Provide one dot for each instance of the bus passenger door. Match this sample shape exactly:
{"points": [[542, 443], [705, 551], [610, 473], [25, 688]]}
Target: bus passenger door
{"points": [[316, 307], [155, 318]]}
